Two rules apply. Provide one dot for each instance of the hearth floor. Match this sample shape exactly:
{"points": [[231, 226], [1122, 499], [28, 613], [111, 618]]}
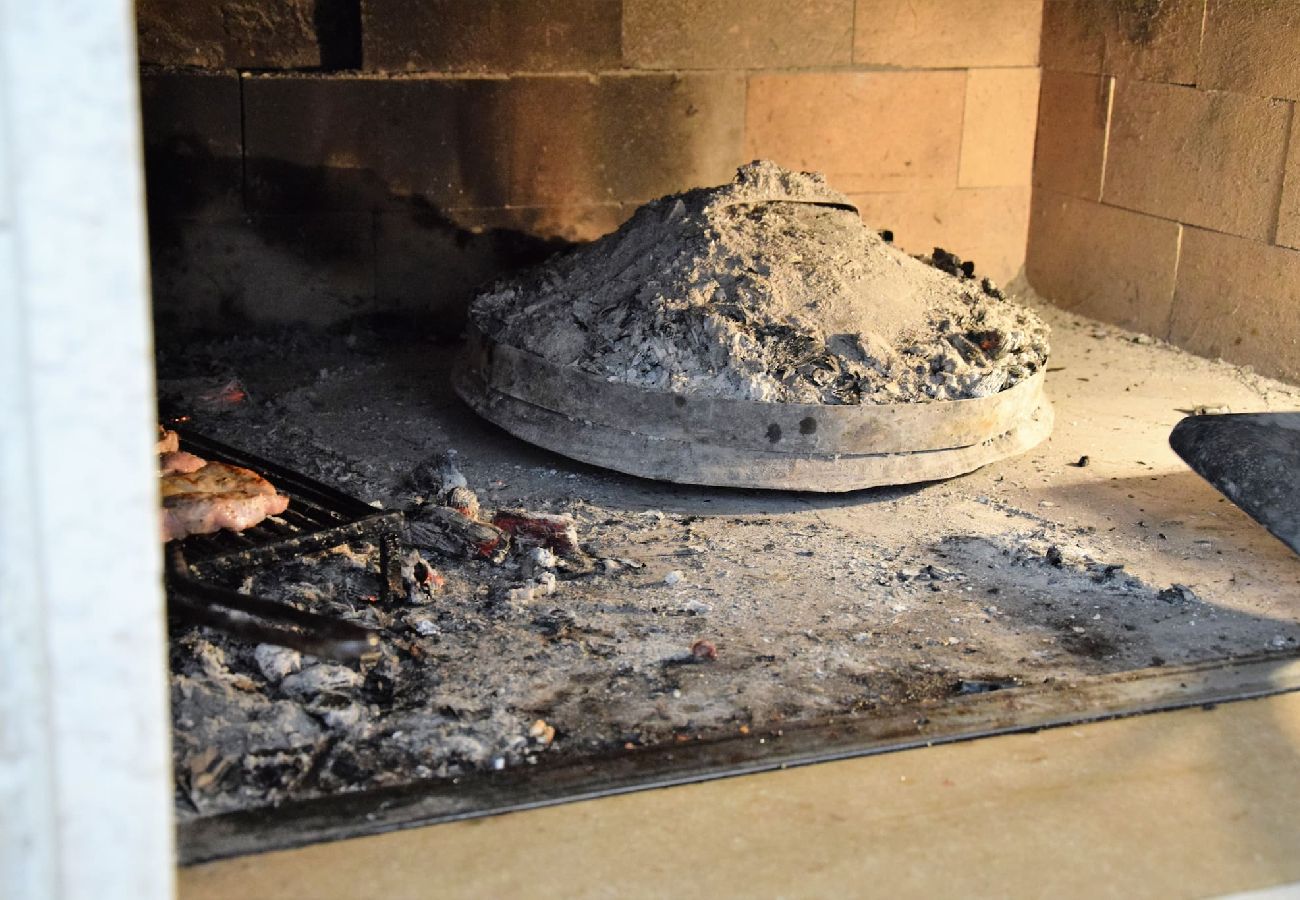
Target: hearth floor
{"points": [[1193, 803], [1034, 574]]}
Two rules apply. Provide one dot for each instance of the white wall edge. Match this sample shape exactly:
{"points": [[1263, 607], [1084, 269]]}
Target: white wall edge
{"points": [[85, 787]]}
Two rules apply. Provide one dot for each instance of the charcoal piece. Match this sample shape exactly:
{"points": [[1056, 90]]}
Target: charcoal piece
{"points": [[464, 501], [452, 533], [1178, 594], [992, 290], [951, 263], [437, 476], [421, 582]]}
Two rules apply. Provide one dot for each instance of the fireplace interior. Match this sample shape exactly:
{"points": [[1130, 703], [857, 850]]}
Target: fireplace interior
{"points": [[331, 183]]}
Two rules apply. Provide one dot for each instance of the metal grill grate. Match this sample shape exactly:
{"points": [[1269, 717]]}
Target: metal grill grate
{"points": [[318, 517]]}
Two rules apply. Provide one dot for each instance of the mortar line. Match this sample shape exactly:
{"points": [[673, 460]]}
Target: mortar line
{"points": [[961, 129], [1110, 204], [744, 116], [678, 71], [1105, 137], [1158, 217], [1173, 292], [853, 34], [1287, 148], [1200, 40]]}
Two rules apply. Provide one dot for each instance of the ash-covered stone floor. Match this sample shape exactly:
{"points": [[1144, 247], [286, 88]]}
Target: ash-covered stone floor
{"points": [[1030, 570]]}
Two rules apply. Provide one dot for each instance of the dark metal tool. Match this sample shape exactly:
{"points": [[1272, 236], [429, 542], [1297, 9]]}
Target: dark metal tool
{"points": [[1253, 459], [263, 621]]}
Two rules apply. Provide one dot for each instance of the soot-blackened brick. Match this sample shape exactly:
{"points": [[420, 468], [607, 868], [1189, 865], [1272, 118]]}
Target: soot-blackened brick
{"points": [[623, 138], [192, 143], [492, 35], [737, 34], [245, 34], [348, 143]]}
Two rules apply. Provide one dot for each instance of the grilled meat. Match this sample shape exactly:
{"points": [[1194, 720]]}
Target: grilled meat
{"points": [[178, 462], [216, 496]]}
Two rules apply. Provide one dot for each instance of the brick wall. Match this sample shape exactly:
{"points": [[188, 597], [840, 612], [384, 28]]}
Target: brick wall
{"points": [[309, 159], [1167, 172]]}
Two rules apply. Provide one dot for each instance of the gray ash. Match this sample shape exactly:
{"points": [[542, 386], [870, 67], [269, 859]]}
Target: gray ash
{"points": [[798, 610], [768, 288]]}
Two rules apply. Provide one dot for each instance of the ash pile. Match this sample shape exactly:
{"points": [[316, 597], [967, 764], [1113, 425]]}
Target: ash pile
{"points": [[258, 724], [768, 288]]}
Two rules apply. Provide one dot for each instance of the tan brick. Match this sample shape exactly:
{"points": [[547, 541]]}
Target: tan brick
{"points": [[866, 131], [1071, 144], [1237, 299], [1252, 47], [1154, 41], [364, 143], [1074, 38], [997, 141], [1209, 159], [1288, 220], [1104, 262], [491, 35], [622, 138], [348, 143], [986, 225], [731, 34], [945, 34]]}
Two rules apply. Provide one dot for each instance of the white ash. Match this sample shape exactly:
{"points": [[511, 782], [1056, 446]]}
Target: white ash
{"points": [[276, 662], [465, 501], [461, 681], [768, 288], [420, 578], [522, 595], [336, 710], [236, 747], [539, 560], [441, 472], [319, 679], [424, 625]]}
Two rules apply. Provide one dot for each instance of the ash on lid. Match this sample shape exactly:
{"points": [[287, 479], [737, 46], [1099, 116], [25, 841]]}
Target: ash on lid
{"points": [[769, 288]]}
